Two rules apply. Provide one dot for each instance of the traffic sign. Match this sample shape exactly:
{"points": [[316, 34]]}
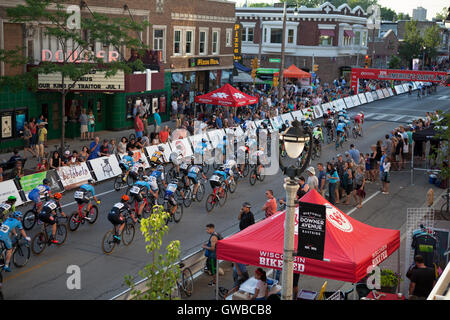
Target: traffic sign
{"points": [[274, 60]]}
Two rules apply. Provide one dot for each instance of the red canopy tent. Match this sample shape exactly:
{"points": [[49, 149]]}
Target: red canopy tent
{"points": [[294, 72], [350, 246], [226, 96]]}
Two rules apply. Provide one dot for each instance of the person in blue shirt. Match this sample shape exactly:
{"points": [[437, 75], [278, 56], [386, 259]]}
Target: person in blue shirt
{"points": [[193, 174], [8, 227], [94, 149], [126, 163], [139, 191], [88, 191], [169, 195], [42, 190], [340, 130]]}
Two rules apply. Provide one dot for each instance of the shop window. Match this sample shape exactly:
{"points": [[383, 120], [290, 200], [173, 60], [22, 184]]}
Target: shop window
{"points": [[12, 123], [326, 41], [7, 124], [276, 35]]}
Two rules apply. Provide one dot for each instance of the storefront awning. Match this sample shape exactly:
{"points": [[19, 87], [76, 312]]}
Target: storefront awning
{"points": [[326, 32], [349, 33]]}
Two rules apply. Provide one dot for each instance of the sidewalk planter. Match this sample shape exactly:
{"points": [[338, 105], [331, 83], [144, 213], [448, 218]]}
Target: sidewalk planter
{"points": [[389, 281]]}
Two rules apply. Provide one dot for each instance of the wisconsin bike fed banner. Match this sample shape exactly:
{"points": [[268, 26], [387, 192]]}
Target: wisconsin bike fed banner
{"points": [[311, 230]]}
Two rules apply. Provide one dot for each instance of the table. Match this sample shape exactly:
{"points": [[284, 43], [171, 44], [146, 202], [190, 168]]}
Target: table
{"points": [[247, 289], [384, 296]]}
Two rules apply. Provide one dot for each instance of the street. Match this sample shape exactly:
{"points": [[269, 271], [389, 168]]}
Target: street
{"points": [[102, 276]]}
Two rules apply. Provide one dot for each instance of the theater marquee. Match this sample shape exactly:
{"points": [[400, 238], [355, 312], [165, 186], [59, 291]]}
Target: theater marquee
{"points": [[93, 81]]}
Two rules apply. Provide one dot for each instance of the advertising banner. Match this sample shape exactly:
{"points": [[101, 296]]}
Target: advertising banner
{"points": [[8, 188], [138, 155], [380, 94], [374, 95], [182, 146], [399, 89], [297, 115], [349, 102], [287, 117], [318, 111], [369, 96], [385, 92], [167, 151], [311, 230], [105, 167], [341, 104], [216, 136], [406, 87], [74, 176], [326, 106], [362, 98], [391, 93], [355, 100], [31, 181], [276, 122]]}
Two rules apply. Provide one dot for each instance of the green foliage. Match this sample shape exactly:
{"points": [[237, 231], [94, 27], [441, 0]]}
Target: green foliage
{"points": [[387, 14], [412, 46], [259, 5], [443, 152], [389, 278], [403, 16], [443, 14], [395, 63], [431, 41], [163, 271]]}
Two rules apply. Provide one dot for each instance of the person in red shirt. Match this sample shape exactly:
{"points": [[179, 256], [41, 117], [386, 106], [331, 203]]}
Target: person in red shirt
{"points": [[270, 207], [164, 134], [138, 126]]}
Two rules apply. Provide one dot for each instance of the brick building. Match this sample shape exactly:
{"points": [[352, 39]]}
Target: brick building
{"points": [[383, 49], [333, 38]]}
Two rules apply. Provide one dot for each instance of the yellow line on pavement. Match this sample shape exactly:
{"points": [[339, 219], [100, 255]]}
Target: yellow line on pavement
{"points": [[26, 271]]}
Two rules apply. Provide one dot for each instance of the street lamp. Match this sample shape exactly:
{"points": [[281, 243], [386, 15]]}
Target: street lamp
{"points": [[295, 140], [423, 58]]}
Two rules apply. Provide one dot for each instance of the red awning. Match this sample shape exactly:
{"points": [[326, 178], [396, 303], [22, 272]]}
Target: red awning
{"points": [[226, 96], [348, 33], [326, 32], [350, 245]]}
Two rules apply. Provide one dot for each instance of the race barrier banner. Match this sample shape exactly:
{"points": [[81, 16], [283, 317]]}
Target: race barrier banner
{"points": [[182, 146], [105, 167], [386, 93], [348, 102], [9, 188], [31, 181], [362, 98], [74, 176], [355, 101], [287, 117], [369, 96], [167, 150], [380, 94]]}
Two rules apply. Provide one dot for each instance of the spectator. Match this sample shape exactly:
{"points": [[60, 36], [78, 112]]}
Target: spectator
{"points": [[262, 288], [373, 163], [312, 180], [387, 145], [360, 182], [94, 149], [348, 157], [347, 182], [138, 126], [157, 121], [83, 119], [354, 153], [74, 159], [155, 140], [139, 145], [15, 157], [43, 166], [104, 149], [145, 124], [112, 146], [55, 160], [339, 166], [303, 187], [27, 137], [91, 125], [385, 179], [122, 147], [17, 172], [245, 217], [34, 136], [333, 178], [42, 138], [131, 146], [321, 177], [174, 108], [66, 158], [210, 252], [270, 207], [164, 134], [84, 154], [423, 279]]}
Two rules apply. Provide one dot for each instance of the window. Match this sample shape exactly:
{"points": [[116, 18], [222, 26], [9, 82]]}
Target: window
{"points": [[228, 37], [250, 34], [276, 35], [265, 34], [158, 42], [357, 38], [347, 41], [188, 46], [326, 41], [215, 42], [364, 39], [290, 35], [177, 42], [203, 43]]}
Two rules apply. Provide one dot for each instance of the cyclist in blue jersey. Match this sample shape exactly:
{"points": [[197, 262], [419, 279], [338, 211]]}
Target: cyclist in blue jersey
{"points": [[40, 192], [126, 163], [193, 174], [139, 191], [169, 195], [8, 227], [221, 173], [340, 131], [88, 193], [159, 174]]}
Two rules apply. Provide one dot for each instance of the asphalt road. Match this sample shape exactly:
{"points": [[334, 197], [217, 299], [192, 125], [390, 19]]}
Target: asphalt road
{"points": [[102, 276]]}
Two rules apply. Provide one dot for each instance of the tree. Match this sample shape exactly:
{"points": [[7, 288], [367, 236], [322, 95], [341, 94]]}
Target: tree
{"points": [[403, 16], [163, 272], [387, 14], [412, 46], [443, 14], [395, 62], [431, 41], [259, 5], [54, 19]]}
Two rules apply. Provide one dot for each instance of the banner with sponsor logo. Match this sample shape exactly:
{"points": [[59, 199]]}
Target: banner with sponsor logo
{"points": [[380, 94], [31, 181], [287, 117], [311, 230], [348, 102], [182, 146], [386, 92], [9, 188], [74, 176], [369, 96], [105, 167], [362, 98], [356, 101], [167, 151]]}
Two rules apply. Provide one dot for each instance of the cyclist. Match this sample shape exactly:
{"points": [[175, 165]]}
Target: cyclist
{"points": [[192, 175], [138, 191], [157, 157], [229, 167], [7, 207], [158, 173], [42, 191], [256, 157], [8, 227], [243, 152], [317, 134], [88, 191], [330, 125], [126, 163], [49, 212], [357, 120], [134, 171], [222, 174], [340, 130], [117, 216], [170, 194]]}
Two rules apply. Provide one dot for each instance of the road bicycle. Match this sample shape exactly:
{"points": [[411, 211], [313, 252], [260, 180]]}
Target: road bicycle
{"points": [[329, 135], [109, 242], [21, 252], [135, 203], [42, 239], [218, 196], [340, 140], [188, 191], [255, 174], [317, 150], [445, 213], [30, 218], [356, 132], [120, 181], [185, 284], [176, 216], [81, 215]]}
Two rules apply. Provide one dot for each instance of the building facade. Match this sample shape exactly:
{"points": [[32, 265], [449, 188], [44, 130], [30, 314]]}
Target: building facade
{"points": [[335, 39], [419, 14]]}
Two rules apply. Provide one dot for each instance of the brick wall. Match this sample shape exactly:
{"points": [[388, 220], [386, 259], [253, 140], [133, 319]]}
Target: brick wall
{"points": [[13, 39]]}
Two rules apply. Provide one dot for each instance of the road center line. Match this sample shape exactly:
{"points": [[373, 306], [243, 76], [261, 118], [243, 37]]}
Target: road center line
{"points": [[364, 202]]}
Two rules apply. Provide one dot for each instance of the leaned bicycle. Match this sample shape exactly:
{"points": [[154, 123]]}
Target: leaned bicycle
{"points": [[81, 215], [217, 197], [21, 252], [185, 284], [176, 216], [121, 182], [109, 242], [42, 239]]}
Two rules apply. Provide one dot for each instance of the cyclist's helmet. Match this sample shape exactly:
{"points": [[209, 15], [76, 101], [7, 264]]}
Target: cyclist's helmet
{"points": [[57, 196], [145, 178], [222, 168], [17, 214], [12, 199], [160, 168], [125, 198], [161, 148], [130, 153], [46, 181], [175, 180], [91, 181], [203, 140]]}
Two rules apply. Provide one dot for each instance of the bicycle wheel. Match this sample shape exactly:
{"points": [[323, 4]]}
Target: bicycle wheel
{"points": [[128, 234], [222, 197], [38, 243], [92, 215], [188, 198], [232, 186], [210, 202], [354, 133], [130, 181], [29, 220], [108, 242], [21, 255], [187, 282], [200, 192], [246, 170], [74, 221], [318, 151], [147, 210], [261, 176], [178, 213], [61, 234], [445, 214], [118, 183], [252, 178]]}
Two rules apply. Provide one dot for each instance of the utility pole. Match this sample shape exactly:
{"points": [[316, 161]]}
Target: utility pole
{"points": [[260, 39], [281, 81]]}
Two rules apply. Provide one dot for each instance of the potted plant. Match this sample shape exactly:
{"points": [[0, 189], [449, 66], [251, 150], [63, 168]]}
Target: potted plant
{"points": [[389, 280]]}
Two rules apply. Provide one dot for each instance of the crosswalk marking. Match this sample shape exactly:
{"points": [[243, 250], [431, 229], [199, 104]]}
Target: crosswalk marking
{"points": [[397, 118], [381, 116], [443, 98]]}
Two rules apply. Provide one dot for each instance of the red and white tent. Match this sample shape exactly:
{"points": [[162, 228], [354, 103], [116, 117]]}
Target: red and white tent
{"points": [[350, 246], [227, 96]]}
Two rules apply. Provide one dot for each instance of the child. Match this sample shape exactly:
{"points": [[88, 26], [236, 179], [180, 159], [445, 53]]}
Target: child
{"points": [[385, 180]]}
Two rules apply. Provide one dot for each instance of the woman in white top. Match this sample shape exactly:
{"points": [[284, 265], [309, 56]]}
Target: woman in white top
{"points": [[386, 168], [262, 289]]}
